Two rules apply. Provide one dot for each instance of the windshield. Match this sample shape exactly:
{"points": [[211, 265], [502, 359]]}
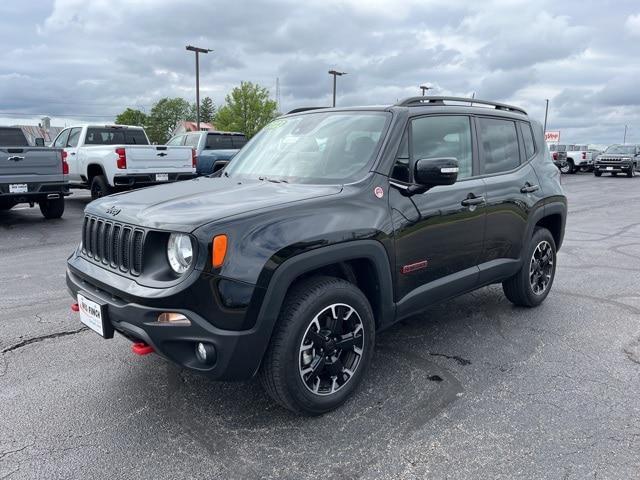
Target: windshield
{"points": [[623, 149], [320, 147]]}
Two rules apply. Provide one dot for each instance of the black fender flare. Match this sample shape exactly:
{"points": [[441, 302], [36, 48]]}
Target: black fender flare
{"points": [[293, 267], [552, 208]]}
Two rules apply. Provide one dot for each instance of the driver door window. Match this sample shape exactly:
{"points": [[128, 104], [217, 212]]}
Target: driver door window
{"points": [[434, 137]]}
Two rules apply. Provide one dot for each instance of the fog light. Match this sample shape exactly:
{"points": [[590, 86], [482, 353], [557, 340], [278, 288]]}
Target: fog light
{"points": [[205, 353], [172, 318]]}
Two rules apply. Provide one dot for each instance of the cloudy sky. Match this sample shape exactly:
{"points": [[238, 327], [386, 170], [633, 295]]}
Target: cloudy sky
{"points": [[81, 60]]}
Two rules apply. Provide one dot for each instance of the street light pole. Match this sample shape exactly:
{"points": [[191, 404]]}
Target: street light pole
{"points": [[198, 51], [546, 112], [335, 74], [424, 89]]}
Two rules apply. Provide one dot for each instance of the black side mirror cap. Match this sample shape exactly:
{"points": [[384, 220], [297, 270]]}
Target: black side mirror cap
{"points": [[430, 172], [39, 142]]}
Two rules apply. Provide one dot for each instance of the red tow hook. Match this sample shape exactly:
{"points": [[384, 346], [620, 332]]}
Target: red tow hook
{"points": [[75, 307], [141, 348]]}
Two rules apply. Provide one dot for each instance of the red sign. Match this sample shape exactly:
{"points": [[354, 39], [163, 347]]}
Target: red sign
{"points": [[552, 137]]}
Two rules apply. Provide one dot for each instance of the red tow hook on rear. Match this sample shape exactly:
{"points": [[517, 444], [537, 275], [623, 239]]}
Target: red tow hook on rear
{"points": [[141, 348], [75, 307]]}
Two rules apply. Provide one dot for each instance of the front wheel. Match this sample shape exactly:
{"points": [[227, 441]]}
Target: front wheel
{"points": [[597, 173], [53, 208], [632, 173], [531, 284], [321, 347]]}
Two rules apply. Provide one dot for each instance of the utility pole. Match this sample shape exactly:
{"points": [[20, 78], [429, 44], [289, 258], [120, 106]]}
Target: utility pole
{"points": [[335, 74], [624, 141], [546, 112], [424, 89], [198, 51]]}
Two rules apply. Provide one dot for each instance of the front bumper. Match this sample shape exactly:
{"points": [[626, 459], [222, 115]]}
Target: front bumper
{"points": [[133, 312], [617, 167], [148, 179]]}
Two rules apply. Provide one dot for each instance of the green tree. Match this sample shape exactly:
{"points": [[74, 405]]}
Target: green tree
{"points": [[165, 116], [207, 110], [247, 109], [131, 116]]}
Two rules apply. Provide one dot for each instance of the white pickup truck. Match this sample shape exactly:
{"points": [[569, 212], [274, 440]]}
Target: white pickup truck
{"points": [[580, 157], [107, 158]]}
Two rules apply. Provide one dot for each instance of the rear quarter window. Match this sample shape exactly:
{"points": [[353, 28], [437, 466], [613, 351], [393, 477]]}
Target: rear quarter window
{"points": [[527, 137]]}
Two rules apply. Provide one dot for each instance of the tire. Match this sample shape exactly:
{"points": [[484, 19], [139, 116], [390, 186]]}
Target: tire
{"points": [[520, 289], [597, 173], [614, 174], [311, 307], [566, 168], [632, 173], [99, 187], [52, 208]]}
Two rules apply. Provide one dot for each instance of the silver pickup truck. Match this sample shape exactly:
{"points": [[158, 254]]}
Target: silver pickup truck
{"points": [[31, 174]]}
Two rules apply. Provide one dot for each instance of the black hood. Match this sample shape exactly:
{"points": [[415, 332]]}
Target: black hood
{"points": [[185, 206]]}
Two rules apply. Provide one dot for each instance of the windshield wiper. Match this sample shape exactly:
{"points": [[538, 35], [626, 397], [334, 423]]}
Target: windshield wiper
{"points": [[273, 180]]}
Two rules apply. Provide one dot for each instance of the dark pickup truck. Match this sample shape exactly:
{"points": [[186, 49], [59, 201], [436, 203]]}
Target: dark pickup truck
{"points": [[327, 227], [213, 149], [31, 174]]}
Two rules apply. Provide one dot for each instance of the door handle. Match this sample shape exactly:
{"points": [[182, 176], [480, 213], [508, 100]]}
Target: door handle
{"points": [[528, 188], [15, 158], [471, 201], [72, 153]]}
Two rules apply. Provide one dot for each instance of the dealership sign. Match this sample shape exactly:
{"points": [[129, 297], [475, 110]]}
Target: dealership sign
{"points": [[552, 137]]}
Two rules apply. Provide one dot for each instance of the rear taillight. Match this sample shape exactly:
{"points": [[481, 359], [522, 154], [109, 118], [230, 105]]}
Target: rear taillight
{"points": [[555, 155], [194, 158], [65, 165], [122, 158], [584, 155]]}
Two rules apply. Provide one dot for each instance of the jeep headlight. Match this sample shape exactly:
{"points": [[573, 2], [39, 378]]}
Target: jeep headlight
{"points": [[179, 252]]}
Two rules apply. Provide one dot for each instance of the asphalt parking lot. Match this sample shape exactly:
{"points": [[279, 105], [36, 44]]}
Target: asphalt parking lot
{"points": [[474, 388]]}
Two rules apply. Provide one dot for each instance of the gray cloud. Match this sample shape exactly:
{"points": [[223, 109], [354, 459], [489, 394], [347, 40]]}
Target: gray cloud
{"points": [[78, 60]]}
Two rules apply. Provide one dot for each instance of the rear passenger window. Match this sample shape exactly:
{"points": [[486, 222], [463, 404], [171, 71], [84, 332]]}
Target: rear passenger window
{"points": [[192, 140], [527, 136], [61, 141], [498, 143], [74, 136], [446, 136]]}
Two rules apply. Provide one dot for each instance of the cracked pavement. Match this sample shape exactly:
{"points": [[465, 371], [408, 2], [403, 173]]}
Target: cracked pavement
{"points": [[473, 388]]}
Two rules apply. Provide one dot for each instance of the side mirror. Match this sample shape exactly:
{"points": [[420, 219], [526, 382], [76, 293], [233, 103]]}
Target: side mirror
{"points": [[430, 172], [39, 142]]}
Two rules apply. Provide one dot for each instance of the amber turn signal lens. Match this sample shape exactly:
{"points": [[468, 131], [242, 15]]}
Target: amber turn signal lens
{"points": [[219, 250]]}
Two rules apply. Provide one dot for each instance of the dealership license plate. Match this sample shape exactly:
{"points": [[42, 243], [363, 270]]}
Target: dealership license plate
{"points": [[91, 314], [609, 168], [18, 188], [162, 177]]}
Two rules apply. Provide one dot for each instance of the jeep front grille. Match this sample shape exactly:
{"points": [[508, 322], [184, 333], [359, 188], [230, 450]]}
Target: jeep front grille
{"points": [[114, 245]]}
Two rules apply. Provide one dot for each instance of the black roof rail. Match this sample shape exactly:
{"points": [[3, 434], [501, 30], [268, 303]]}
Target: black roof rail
{"points": [[430, 100], [303, 109]]}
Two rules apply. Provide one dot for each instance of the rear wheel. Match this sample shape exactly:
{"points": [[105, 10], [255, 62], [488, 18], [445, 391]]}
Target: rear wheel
{"points": [[321, 347], [53, 208], [531, 284], [566, 167], [99, 187]]}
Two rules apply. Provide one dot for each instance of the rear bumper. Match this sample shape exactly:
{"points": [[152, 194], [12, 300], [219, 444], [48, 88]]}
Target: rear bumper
{"points": [[146, 179], [238, 352], [35, 192]]}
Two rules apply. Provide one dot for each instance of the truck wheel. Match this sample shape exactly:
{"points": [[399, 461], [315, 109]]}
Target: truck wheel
{"points": [[321, 347], [52, 208], [531, 284], [597, 173], [99, 187], [632, 173], [566, 167]]}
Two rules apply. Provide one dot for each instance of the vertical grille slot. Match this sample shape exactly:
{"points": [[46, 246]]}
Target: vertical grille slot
{"points": [[125, 249], [106, 242], [137, 251], [114, 245]]}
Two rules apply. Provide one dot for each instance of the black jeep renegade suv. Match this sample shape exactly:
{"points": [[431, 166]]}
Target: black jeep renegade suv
{"points": [[330, 225]]}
